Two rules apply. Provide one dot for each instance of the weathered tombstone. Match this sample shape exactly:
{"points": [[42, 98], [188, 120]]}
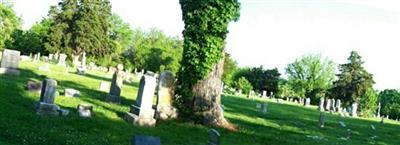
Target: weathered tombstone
{"points": [[83, 63], [10, 61], [382, 119], [51, 57], [85, 110], [116, 86], [333, 108], [308, 101], [25, 58], [165, 97], [342, 124], [354, 107], [264, 108], [338, 105], [104, 86], [213, 137], [56, 57], [38, 56], [321, 104], [328, 105], [68, 92], [61, 60], [141, 112], [45, 67], [46, 105], [145, 140], [321, 120]]}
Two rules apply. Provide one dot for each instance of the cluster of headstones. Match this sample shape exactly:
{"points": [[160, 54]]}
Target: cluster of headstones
{"points": [[332, 105], [142, 112]]}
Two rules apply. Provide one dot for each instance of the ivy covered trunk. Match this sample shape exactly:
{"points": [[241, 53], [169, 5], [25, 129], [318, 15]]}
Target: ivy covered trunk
{"points": [[207, 97], [199, 78]]}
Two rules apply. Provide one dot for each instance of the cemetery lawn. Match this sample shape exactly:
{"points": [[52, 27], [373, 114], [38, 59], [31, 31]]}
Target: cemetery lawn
{"points": [[285, 124]]}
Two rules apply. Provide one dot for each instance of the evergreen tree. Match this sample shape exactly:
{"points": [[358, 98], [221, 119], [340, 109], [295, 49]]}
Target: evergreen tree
{"points": [[353, 81]]}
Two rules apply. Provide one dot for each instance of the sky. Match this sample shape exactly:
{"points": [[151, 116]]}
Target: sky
{"points": [[273, 33]]}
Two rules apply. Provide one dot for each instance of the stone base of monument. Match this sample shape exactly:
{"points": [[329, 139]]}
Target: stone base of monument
{"points": [[113, 99], [47, 109], [9, 71], [141, 117], [166, 112]]}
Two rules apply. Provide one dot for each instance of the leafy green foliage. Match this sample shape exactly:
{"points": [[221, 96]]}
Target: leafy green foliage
{"points": [[244, 85], [390, 103], [368, 103], [80, 26], [285, 90], [309, 75], [8, 23], [230, 67], [353, 81], [30, 41], [206, 27], [261, 79]]}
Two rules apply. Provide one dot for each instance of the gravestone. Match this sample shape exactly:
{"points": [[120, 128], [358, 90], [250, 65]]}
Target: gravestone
{"points": [[51, 57], [83, 64], [68, 92], [165, 96], [354, 107], [378, 112], [24, 58], [321, 120], [264, 93], [56, 57], [85, 110], [141, 112], [46, 105], [104, 86], [338, 105], [145, 140], [213, 137], [116, 86], [382, 119], [10, 62], [321, 104], [308, 101], [333, 108], [264, 108], [328, 105], [1, 55], [62, 59]]}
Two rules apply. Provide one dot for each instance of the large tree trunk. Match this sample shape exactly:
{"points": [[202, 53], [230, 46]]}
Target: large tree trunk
{"points": [[207, 98]]}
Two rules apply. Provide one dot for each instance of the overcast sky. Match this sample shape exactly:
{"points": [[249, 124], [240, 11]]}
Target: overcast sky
{"points": [[273, 33]]}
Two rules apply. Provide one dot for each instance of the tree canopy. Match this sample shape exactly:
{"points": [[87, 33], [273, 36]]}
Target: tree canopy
{"points": [[309, 74], [9, 22]]}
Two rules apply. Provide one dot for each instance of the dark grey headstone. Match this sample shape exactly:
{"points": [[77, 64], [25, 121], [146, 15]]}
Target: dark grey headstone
{"points": [[49, 89], [213, 137], [145, 140]]}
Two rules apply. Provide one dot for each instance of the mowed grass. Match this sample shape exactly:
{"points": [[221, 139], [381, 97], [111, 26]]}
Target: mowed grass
{"points": [[284, 124]]}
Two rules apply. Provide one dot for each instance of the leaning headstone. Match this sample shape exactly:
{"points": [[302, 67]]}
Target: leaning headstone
{"points": [[141, 112], [213, 137], [85, 110], [321, 120], [321, 104], [10, 61], [342, 124], [354, 107], [46, 105], [62, 59], [145, 140], [68, 92], [165, 97], [116, 86]]}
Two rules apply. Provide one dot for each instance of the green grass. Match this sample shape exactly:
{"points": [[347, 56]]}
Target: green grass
{"points": [[284, 124]]}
